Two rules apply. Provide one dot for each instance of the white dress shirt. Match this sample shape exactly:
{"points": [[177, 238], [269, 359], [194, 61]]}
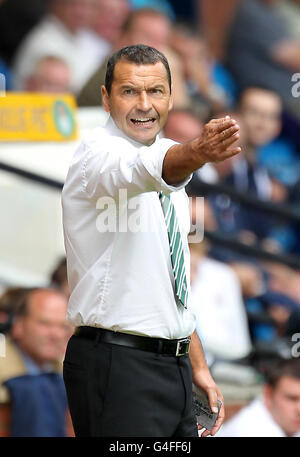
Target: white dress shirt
{"points": [[51, 38], [254, 420], [118, 255]]}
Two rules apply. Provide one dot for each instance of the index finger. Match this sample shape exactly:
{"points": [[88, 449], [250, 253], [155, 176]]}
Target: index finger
{"points": [[222, 123]]}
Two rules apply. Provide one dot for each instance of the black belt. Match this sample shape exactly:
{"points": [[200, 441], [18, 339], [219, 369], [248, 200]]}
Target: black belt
{"points": [[158, 345]]}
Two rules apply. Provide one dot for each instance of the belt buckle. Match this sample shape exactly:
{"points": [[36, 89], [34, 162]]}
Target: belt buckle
{"points": [[181, 344]]}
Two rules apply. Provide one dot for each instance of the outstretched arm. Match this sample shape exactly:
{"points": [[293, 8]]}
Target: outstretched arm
{"points": [[215, 144]]}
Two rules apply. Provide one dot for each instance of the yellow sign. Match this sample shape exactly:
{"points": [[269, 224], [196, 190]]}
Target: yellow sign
{"points": [[37, 117]]}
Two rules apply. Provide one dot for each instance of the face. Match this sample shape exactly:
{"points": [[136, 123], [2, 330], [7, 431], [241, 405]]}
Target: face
{"points": [[43, 331], [261, 111], [139, 101], [108, 18], [283, 402], [182, 127], [50, 76], [75, 14], [151, 30]]}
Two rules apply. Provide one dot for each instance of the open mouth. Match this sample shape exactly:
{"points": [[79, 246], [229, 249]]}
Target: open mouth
{"points": [[145, 121]]}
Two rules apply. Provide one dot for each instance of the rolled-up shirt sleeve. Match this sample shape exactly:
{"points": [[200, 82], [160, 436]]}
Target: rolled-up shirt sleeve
{"points": [[121, 165]]}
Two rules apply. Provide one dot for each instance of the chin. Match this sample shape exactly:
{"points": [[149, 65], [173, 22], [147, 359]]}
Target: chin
{"points": [[141, 139]]}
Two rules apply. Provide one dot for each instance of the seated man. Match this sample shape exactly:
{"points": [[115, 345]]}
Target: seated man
{"points": [[30, 375], [277, 412], [62, 32]]}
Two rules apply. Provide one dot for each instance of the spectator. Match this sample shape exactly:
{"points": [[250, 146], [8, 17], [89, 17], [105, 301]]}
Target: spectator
{"points": [[276, 413], [261, 111], [61, 33], [221, 316], [108, 19], [261, 51], [259, 116], [9, 302], [144, 26], [30, 373], [51, 74], [209, 83]]}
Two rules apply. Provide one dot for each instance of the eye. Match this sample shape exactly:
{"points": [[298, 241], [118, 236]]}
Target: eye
{"points": [[128, 91], [155, 90]]}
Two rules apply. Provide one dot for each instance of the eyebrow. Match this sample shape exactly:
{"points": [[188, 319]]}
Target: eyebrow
{"points": [[133, 86]]}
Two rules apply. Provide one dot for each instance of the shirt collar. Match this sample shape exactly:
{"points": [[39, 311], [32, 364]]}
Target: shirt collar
{"points": [[32, 367]]}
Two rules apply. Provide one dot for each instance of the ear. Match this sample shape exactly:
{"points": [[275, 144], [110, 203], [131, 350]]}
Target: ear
{"points": [[17, 328], [105, 99]]}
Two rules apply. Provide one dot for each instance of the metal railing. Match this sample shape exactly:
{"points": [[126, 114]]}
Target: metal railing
{"points": [[280, 211]]}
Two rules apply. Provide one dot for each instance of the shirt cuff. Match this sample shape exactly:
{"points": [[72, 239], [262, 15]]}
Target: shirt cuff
{"points": [[153, 161]]}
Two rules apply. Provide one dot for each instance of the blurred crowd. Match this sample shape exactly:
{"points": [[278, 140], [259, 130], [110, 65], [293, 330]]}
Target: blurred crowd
{"points": [[248, 323]]}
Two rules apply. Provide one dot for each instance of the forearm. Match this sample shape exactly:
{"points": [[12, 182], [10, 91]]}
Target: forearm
{"points": [[180, 161], [203, 379], [197, 356]]}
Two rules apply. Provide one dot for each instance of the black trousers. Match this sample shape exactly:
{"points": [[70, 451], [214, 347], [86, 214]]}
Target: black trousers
{"points": [[115, 391]]}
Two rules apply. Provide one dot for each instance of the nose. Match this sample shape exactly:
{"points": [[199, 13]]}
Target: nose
{"points": [[57, 332], [144, 103]]}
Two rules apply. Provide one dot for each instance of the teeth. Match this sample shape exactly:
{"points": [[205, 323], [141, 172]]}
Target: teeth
{"points": [[143, 120]]}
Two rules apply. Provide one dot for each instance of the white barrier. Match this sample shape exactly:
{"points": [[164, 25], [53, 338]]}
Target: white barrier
{"points": [[31, 241]]}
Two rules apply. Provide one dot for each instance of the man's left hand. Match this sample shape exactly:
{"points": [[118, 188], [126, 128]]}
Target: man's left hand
{"points": [[204, 381]]}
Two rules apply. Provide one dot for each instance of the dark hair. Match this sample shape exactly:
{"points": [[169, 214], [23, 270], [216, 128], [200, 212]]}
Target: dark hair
{"points": [[10, 299], [283, 367], [23, 304], [23, 307], [259, 87], [59, 275], [138, 54]]}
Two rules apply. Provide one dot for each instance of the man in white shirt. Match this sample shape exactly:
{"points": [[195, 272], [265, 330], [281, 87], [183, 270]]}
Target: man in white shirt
{"points": [[63, 33], [276, 413], [127, 369], [220, 312]]}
